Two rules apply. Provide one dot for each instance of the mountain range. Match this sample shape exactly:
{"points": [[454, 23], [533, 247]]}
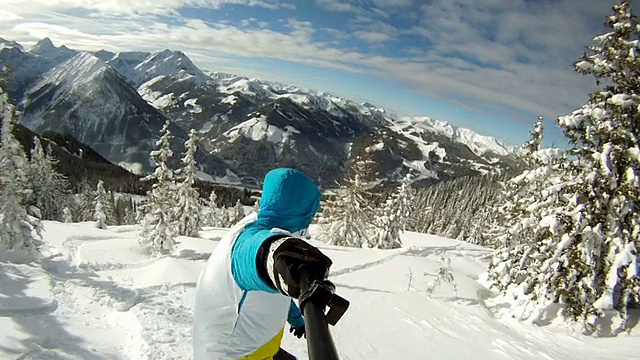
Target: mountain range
{"points": [[118, 102]]}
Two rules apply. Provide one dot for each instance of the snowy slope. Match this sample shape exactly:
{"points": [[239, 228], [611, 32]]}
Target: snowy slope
{"points": [[98, 296], [45, 48], [139, 67], [27, 66], [479, 144]]}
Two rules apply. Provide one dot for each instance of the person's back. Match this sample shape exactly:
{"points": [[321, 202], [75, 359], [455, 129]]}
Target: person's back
{"points": [[243, 297]]}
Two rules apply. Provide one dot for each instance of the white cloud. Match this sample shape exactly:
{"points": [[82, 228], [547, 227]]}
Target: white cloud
{"points": [[372, 37], [392, 3], [8, 16], [142, 7], [503, 54], [253, 22], [338, 6]]}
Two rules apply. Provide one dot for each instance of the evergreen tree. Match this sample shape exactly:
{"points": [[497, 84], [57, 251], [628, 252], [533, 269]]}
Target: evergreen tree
{"points": [[521, 211], [225, 217], [16, 227], [130, 214], [454, 208], [49, 188], [348, 218], [585, 253], [189, 208], [210, 212], [535, 142], [238, 212], [67, 215], [393, 217], [86, 205], [103, 205], [158, 232]]}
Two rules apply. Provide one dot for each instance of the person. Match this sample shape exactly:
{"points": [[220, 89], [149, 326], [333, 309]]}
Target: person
{"points": [[245, 294]]}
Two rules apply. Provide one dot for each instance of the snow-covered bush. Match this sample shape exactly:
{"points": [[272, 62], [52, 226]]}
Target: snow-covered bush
{"points": [[443, 275]]}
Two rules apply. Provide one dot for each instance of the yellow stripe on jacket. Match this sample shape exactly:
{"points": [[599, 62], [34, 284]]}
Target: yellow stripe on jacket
{"points": [[268, 350]]}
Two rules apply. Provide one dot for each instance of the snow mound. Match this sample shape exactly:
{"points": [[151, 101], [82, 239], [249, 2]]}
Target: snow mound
{"points": [[110, 254], [164, 271]]}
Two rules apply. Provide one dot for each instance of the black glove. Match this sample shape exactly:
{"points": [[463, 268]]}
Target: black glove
{"points": [[298, 332], [289, 256]]}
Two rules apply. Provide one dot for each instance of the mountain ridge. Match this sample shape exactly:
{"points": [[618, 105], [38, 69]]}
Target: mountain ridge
{"points": [[275, 124]]}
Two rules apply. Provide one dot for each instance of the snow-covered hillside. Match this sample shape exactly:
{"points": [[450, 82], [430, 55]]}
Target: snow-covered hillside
{"points": [[479, 144], [96, 295]]}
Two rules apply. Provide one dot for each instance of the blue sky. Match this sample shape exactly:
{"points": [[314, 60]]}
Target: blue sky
{"points": [[489, 65]]}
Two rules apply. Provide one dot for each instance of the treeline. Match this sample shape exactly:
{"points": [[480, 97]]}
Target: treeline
{"points": [[83, 168]]}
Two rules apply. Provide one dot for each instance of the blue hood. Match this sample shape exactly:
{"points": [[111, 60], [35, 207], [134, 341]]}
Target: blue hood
{"points": [[289, 200]]}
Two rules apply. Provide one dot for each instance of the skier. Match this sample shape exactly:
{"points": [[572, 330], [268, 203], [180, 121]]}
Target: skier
{"points": [[245, 293]]}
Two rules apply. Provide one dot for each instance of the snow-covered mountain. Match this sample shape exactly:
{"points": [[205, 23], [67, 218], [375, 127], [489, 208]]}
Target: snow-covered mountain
{"points": [[86, 98], [27, 65], [477, 143], [139, 67], [118, 101]]}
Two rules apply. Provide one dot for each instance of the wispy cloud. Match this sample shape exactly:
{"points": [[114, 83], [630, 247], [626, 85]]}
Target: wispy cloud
{"points": [[390, 4], [372, 37], [253, 22], [340, 6], [156, 7], [499, 54]]}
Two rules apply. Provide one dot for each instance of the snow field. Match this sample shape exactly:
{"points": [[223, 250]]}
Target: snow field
{"points": [[97, 295]]}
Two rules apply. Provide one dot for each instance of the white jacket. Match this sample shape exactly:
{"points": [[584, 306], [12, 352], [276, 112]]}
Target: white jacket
{"points": [[230, 323]]}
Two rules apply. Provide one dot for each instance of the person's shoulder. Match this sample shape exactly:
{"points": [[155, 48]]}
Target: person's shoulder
{"points": [[259, 233]]}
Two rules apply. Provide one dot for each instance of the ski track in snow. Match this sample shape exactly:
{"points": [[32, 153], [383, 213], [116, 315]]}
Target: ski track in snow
{"points": [[365, 266], [456, 250], [157, 319]]}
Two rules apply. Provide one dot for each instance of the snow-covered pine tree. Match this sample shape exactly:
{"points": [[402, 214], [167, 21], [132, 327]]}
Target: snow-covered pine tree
{"points": [[16, 227], [49, 188], [586, 253], [130, 214], [451, 208], [189, 207], [210, 212], [86, 206], [535, 141], [103, 207], [238, 212], [256, 205], [348, 217], [158, 231], [393, 217], [225, 217], [67, 215], [518, 213]]}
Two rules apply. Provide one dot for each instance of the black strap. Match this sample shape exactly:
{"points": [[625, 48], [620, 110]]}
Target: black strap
{"points": [[261, 259]]}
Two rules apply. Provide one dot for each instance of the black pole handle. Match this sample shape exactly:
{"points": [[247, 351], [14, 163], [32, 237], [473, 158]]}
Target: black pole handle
{"points": [[315, 296]]}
